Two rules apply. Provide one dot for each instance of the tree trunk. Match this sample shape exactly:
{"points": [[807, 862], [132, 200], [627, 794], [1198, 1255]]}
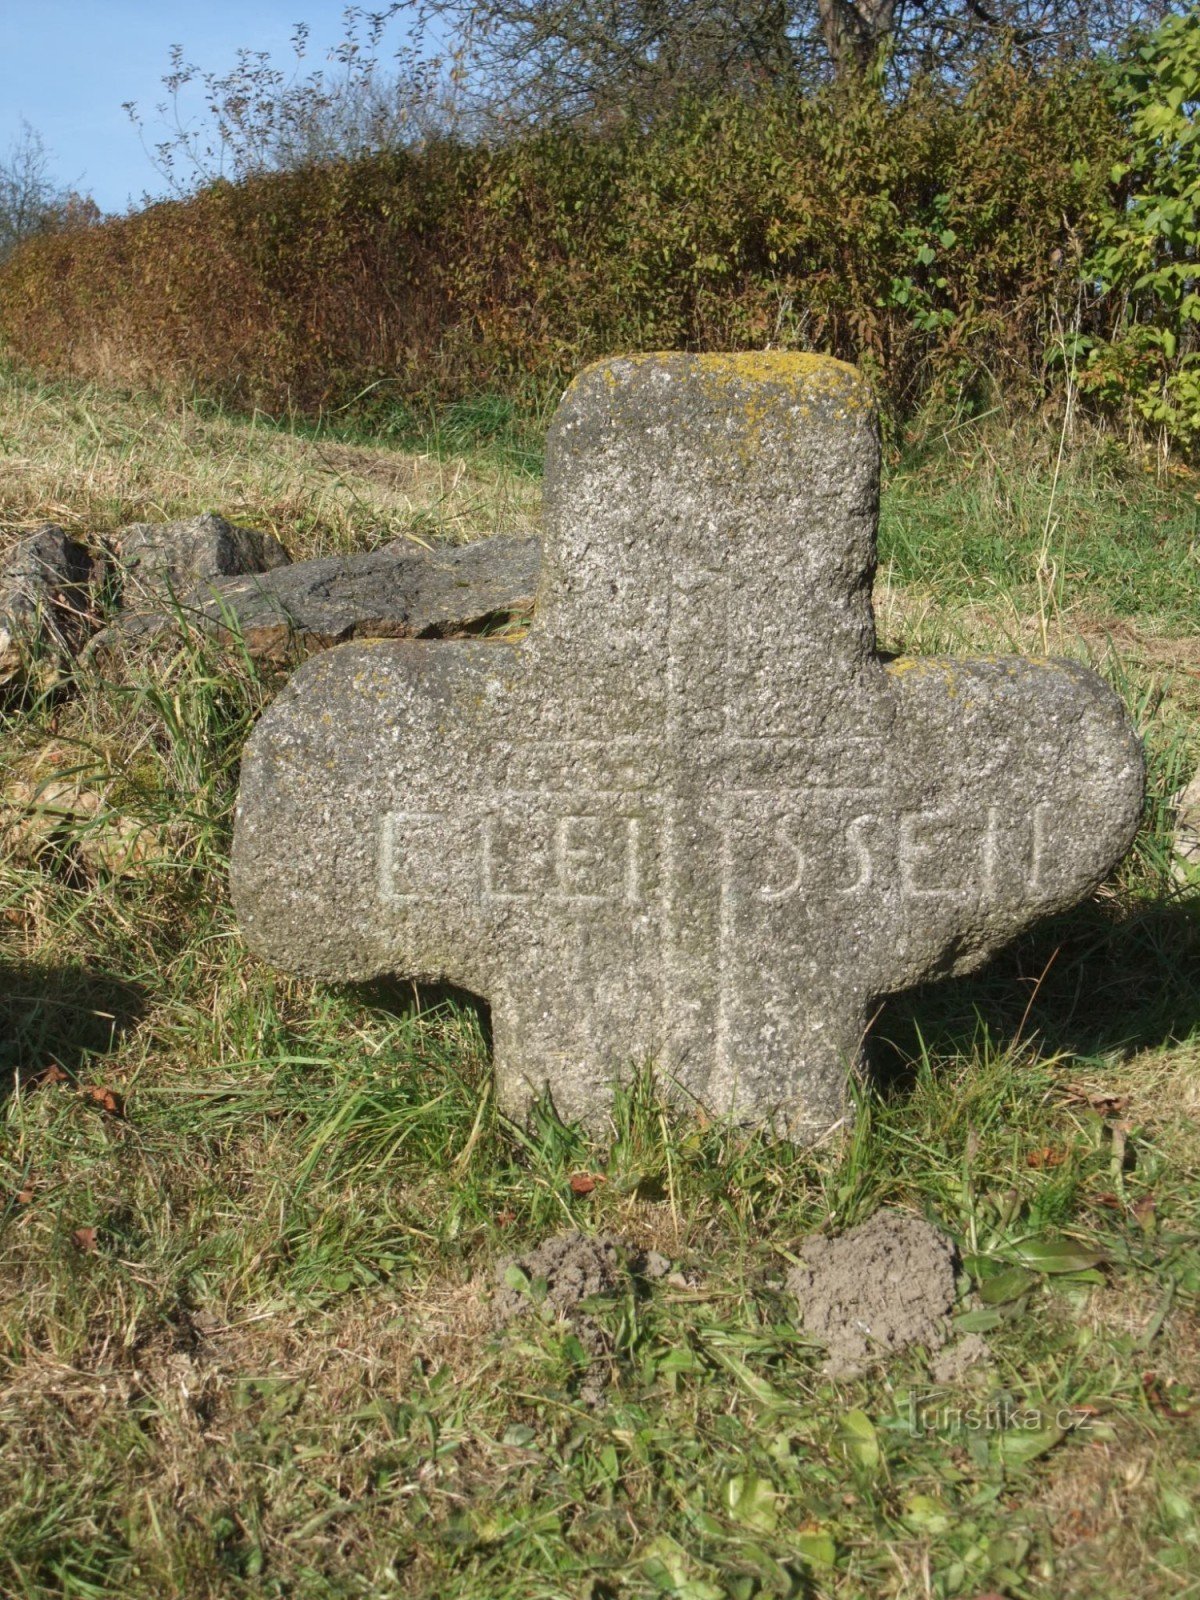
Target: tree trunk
{"points": [[853, 30]]}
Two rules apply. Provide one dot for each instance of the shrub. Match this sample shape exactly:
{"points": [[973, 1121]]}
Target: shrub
{"points": [[917, 236], [1146, 256]]}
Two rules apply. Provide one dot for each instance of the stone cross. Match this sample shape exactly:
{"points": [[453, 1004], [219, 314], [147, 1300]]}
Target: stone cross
{"points": [[694, 818]]}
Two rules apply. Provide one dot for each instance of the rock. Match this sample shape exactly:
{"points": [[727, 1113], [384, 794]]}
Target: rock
{"points": [[168, 563], [875, 1290], [1185, 868], [383, 594], [45, 603], [406, 593], [61, 804], [694, 817]]}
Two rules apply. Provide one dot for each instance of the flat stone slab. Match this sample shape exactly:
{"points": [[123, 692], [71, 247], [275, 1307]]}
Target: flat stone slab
{"points": [[693, 818], [397, 593]]}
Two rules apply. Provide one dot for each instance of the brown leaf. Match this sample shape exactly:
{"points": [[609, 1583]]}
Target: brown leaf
{"points": [[505, 1218], [25, 1196], [1047, 1156], [1143, 1211], [1159, 1398], [51, 1074], [84, 1238], [104, 1098], [1108, 1105], [585, 1182]]}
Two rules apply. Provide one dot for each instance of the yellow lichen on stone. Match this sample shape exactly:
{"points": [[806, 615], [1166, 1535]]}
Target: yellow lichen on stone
{"points": [[925, 667], [747, 398], [802, 372], [786, 368]]}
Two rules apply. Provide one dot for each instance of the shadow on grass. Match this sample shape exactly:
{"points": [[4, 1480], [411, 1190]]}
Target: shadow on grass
{"points": [[405, 997], [1088, 984], [1091, 984], [59, 1016]]}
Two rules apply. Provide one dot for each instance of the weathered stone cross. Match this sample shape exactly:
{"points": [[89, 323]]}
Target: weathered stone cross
{"points": [[694, 817]]}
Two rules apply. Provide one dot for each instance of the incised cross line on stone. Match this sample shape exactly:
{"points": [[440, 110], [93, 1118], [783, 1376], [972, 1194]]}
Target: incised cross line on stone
{"points": [[693, 817]]}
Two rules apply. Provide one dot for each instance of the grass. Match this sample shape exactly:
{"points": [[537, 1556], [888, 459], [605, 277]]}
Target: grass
{"points": [[93, 461], [244, 1343], [981, 518]]}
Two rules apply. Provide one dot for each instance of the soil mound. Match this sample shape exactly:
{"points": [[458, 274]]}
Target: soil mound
{"points": [[574, 1267], [875, 1289], [556, 1280]]}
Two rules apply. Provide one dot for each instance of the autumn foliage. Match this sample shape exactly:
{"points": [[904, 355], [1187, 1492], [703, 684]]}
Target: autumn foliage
{"points": [[936, 239]]}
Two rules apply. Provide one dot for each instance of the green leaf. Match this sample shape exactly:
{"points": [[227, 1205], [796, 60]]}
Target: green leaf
{"points": [[1177, 1507], [1021, 1446], [816, 1547], [708, 1526], [1056, 1255], [752, 1501], [923, 1514], [681, 1359], [1007, 1556], [857, 1437], [1005, 1286], [978, 1321], [948, 238], [665, 1563]]}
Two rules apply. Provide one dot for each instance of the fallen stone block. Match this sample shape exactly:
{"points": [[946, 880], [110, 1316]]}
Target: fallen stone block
{"points": [[285, 614], [167, 563], [46, 604]]}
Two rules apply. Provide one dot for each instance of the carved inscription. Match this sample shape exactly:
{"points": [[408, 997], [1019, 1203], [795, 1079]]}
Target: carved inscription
{"points": [[525, 852], [794, 846], [804, 849], [805, 864], [590, 858], [1014, 851], [930, 866], [410, 848]]}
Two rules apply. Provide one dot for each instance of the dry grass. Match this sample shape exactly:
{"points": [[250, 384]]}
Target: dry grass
{"points": [[92, 462]]}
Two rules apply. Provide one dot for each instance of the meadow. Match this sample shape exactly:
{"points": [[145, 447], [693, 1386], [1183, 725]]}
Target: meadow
{"points": [[249, 1223]]}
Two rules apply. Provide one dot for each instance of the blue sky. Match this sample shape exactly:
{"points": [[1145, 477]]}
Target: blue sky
{"points": [[66, 66]]}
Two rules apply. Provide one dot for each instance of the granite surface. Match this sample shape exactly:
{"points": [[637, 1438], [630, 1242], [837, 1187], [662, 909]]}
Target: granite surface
{"points": [[693, 818]]}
